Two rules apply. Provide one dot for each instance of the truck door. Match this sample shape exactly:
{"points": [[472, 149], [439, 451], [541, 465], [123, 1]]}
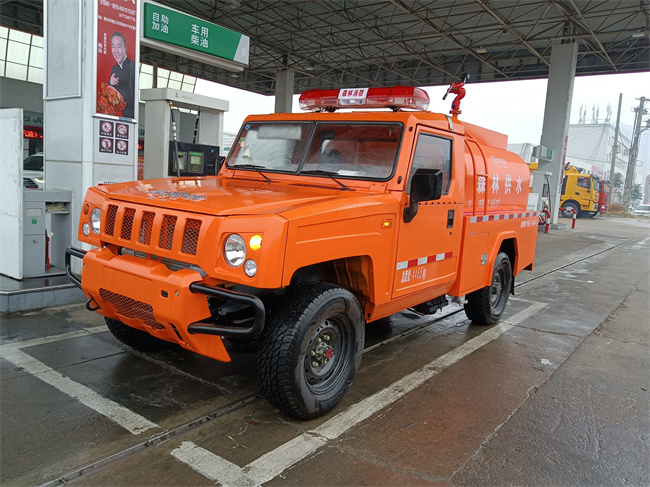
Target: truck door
{"points": [[584, 192], [427, 248]]}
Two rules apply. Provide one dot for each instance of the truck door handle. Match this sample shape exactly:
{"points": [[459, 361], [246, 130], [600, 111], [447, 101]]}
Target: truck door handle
{"points": [[450, 219]]}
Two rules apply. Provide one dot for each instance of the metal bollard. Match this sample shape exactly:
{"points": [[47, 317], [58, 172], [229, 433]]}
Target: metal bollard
{"points": [[575, 215]]}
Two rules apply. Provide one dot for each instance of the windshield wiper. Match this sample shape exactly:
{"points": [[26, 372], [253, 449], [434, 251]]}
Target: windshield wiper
{"points": [[331, 174], [253, 166]]}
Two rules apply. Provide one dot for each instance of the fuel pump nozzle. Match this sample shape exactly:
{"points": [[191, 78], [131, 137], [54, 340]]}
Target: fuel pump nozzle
{"points": [[175, 139]]}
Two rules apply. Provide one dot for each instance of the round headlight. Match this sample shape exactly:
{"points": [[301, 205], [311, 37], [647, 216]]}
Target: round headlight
{"points": [[95, 217], [250, 268], [234, 250], [86, 229]]}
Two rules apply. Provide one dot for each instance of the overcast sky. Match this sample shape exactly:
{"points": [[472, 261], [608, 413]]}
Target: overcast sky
{"points": [[515, 108]]}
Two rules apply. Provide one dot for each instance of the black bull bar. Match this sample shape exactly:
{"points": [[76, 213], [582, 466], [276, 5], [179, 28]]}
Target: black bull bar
{"points": [[200, 327]]}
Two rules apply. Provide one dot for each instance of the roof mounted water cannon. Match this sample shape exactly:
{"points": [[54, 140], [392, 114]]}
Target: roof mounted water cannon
{"points": [[393, 97], [459, 90]]}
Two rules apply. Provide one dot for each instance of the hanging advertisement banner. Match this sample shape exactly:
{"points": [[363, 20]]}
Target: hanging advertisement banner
{"points": [[117, 58]]}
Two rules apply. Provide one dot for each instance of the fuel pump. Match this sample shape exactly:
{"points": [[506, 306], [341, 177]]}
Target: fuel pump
{"points": [[176, 145]]}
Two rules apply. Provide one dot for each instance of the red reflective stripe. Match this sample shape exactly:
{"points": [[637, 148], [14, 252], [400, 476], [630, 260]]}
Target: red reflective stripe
{"points": [[429, 259]]}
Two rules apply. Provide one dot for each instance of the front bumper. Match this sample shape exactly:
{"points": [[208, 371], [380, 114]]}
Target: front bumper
{"points": [[171, 305]]}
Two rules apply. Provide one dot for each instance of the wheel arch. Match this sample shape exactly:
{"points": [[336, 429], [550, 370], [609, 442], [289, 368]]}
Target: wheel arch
{"points": [[571, 201], [509, 247], [354, 273]]}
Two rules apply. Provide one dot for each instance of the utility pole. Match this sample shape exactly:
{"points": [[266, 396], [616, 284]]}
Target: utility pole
{"points": [[631, 165], [612, 171]]}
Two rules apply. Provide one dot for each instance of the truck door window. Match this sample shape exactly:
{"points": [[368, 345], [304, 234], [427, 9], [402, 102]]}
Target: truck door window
{"points": [[584, 183], [432, 152]]}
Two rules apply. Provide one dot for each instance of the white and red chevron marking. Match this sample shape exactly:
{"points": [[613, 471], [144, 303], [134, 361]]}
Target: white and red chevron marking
{"points": [[424, 260], [507, 216]]}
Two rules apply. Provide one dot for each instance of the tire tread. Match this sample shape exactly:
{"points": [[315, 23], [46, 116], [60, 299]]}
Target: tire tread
{"points": [[279, 341]]}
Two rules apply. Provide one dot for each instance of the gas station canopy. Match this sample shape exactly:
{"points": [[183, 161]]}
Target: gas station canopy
{"points": [[370, 43]]}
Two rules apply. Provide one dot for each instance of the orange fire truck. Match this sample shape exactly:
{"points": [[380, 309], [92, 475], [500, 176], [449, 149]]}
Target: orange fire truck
{"points": [[316, 224]]}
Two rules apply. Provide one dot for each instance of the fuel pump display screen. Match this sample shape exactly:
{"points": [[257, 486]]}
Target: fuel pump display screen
{"points": [[194, 159], [196, 163]]}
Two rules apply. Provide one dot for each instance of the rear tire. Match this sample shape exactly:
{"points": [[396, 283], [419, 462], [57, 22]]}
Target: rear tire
{"points": [[485, 306], [310, 349], [137, 339]]}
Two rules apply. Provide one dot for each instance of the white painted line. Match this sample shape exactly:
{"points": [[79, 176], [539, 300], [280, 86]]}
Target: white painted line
{"points": [[120, 415], [53, 338], [641, 244], [575, 280], [208, 464], [272, 464]]}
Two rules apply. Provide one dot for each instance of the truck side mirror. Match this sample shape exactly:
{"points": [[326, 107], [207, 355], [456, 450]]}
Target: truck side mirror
{"points": [[426, 185]]}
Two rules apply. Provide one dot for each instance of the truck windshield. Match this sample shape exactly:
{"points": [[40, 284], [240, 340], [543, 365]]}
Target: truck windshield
{"points": [[341, 149]]}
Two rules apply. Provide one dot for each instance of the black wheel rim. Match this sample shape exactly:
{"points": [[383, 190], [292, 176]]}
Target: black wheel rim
{"points": [[496, 295], [328, 354]]}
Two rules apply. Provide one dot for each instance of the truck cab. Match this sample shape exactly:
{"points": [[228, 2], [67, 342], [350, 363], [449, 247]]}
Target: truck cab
{"points": [[316, 225], [580, 193]]}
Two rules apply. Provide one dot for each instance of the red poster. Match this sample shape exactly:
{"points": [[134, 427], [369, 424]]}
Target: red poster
{"points": [[117, 58]]}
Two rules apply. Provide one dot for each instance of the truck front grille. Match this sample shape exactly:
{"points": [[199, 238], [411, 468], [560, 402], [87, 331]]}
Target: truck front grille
{"points": [[162, 230], [131, 308]]}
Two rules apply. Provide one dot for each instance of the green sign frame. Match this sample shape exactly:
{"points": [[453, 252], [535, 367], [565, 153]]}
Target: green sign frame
{"points": [[188, 32]]}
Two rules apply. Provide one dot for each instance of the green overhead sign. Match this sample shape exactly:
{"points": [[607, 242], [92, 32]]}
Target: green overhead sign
{"points": [[188, 32], [543, 153]]}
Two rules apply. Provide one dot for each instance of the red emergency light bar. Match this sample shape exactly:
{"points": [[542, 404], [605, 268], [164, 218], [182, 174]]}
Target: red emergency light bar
{"points": [[394, 97]]}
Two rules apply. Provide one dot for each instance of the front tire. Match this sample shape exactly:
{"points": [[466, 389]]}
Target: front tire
{"points": [[137, 339], [310, 349], [485, 306], [570, 207]]}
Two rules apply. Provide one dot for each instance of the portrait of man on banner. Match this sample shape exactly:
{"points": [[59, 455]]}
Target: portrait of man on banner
{"points": [[116, 60]]}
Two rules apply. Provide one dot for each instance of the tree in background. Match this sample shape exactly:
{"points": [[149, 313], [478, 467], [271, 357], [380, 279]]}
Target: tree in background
{"points": [[637, 194], [617, 182]]}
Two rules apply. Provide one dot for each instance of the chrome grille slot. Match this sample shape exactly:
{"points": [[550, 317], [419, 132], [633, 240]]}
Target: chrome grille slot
{"points": [[131, 308], [146, 227], [167, 232], [127, 223], [191, 236], [110, 219]]}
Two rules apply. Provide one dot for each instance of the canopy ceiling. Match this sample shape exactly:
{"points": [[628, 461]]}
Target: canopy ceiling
{"points": [[346, 43]]}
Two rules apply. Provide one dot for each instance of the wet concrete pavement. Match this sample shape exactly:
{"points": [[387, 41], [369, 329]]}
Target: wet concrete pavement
{"points": [[556, 394]]}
